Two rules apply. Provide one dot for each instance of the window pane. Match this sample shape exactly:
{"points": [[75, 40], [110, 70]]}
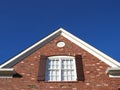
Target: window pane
{"points": [[49, 75], [56, 64], [69, 72], [53, 72], [64, 75], [69, 78], [57, 75], [57, 72], [54, 75], [64, 78], [67, 69], [63, 64]]}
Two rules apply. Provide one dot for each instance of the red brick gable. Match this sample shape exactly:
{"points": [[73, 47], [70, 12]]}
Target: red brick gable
{"points": [[94, 69], [103, 57], [91, 70]]}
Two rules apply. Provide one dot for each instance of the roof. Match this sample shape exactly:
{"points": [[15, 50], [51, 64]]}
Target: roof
{"points": [[100, 55]]}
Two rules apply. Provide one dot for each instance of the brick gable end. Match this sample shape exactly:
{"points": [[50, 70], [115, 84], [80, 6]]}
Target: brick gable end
{"points": [[94, 69]]}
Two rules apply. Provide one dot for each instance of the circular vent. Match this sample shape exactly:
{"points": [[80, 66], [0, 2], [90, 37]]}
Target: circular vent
{"points": [[60, 44]]}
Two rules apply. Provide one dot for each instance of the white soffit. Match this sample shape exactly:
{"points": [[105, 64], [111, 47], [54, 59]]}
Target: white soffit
{"points": [[103, 57]]}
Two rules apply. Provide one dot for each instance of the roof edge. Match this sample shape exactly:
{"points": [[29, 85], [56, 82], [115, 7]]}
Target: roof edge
{"points": [[97, 53], [100, 55], [57, 32]]}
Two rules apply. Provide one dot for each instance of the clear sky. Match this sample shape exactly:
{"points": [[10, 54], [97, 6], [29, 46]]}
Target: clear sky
{"points": [[24, 22]]}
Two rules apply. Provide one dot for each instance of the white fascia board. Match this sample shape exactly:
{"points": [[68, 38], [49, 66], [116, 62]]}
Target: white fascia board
{"points": [[103, 57], [58, 32]]}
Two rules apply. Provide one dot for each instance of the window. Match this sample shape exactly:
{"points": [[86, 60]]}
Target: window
{"points": [[61, 68]]}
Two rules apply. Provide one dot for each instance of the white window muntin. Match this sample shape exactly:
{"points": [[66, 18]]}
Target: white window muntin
{"points": [[61, 68]]}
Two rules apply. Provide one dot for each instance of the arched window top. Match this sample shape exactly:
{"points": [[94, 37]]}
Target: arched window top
{"points": [[63, 57]]}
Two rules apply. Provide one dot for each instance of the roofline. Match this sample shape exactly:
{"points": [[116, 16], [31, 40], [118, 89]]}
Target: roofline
{"points": [[100, 55], [103, 57], [28, 49]]}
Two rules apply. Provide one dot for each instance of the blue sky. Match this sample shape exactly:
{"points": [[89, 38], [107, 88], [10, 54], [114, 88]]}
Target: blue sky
{"points": [[24, 22]]}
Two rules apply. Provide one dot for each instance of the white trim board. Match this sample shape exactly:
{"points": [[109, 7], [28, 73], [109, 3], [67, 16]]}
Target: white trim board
{"points": [[100, 55]]}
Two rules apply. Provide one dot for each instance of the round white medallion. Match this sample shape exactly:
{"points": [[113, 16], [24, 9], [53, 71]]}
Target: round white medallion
{"points": [[60, 44]]}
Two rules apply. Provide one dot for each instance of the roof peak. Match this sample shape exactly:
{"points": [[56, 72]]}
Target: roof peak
{"points": [[101, 56]]}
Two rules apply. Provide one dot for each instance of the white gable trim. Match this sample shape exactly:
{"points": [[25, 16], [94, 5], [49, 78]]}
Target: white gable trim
{"points": [[41, 42], [103, 57]]}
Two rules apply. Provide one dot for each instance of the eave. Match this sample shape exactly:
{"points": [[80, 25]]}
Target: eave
{"points": [[113, 71], [7, 72]]}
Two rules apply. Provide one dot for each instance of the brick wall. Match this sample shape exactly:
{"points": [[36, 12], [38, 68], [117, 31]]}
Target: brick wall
{"points": [[95, 77]]}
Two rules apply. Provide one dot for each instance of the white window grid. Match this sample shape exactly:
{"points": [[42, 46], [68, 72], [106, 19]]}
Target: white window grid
{"points": [[61, 68]]}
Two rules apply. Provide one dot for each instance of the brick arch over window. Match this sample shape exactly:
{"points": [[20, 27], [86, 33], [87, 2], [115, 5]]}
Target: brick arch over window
{"points": [[79, 68]]}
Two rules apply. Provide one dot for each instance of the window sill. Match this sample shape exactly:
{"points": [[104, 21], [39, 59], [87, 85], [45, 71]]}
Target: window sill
{"points": [[61, 81]]}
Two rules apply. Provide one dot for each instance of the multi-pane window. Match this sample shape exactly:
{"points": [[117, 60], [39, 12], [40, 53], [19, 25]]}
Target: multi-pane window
{"points": [[61, 68]]}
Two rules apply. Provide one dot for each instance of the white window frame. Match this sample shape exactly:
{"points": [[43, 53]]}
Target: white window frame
{"points": [[60, 68]]}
